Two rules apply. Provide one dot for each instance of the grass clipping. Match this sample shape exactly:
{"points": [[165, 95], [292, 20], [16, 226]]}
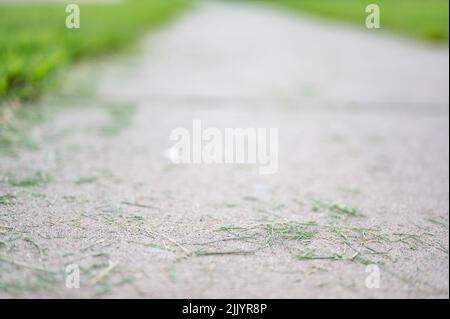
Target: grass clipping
{"points": [[304, 241]]}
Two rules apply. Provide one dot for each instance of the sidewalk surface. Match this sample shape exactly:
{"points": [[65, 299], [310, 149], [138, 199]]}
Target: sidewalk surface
{"points": [[363, 169]]}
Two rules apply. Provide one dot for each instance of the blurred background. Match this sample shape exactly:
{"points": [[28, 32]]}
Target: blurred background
{"points": [[34, 44]]}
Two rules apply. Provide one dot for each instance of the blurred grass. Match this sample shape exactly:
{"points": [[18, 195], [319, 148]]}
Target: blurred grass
{"points": [[34, 41], [424, 19]]}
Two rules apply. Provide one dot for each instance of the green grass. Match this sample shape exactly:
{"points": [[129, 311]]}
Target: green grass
{"points": [[121, 117], [274, 231], [34, 41], [16, 124], [417, 18], [7, 199], [86, 180], [38, 179], [336, 210], [290, 231]]}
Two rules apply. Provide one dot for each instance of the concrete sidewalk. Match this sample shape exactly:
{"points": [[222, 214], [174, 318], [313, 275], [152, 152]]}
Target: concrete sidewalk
{"points": [[363, 177]]}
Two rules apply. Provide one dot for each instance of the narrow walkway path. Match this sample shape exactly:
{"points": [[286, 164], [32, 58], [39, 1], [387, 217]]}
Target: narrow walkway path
{"points": [[363, 169]]}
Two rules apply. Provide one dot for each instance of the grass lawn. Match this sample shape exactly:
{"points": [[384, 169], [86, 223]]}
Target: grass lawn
{"points": [[34, 41], [426, 19]]}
